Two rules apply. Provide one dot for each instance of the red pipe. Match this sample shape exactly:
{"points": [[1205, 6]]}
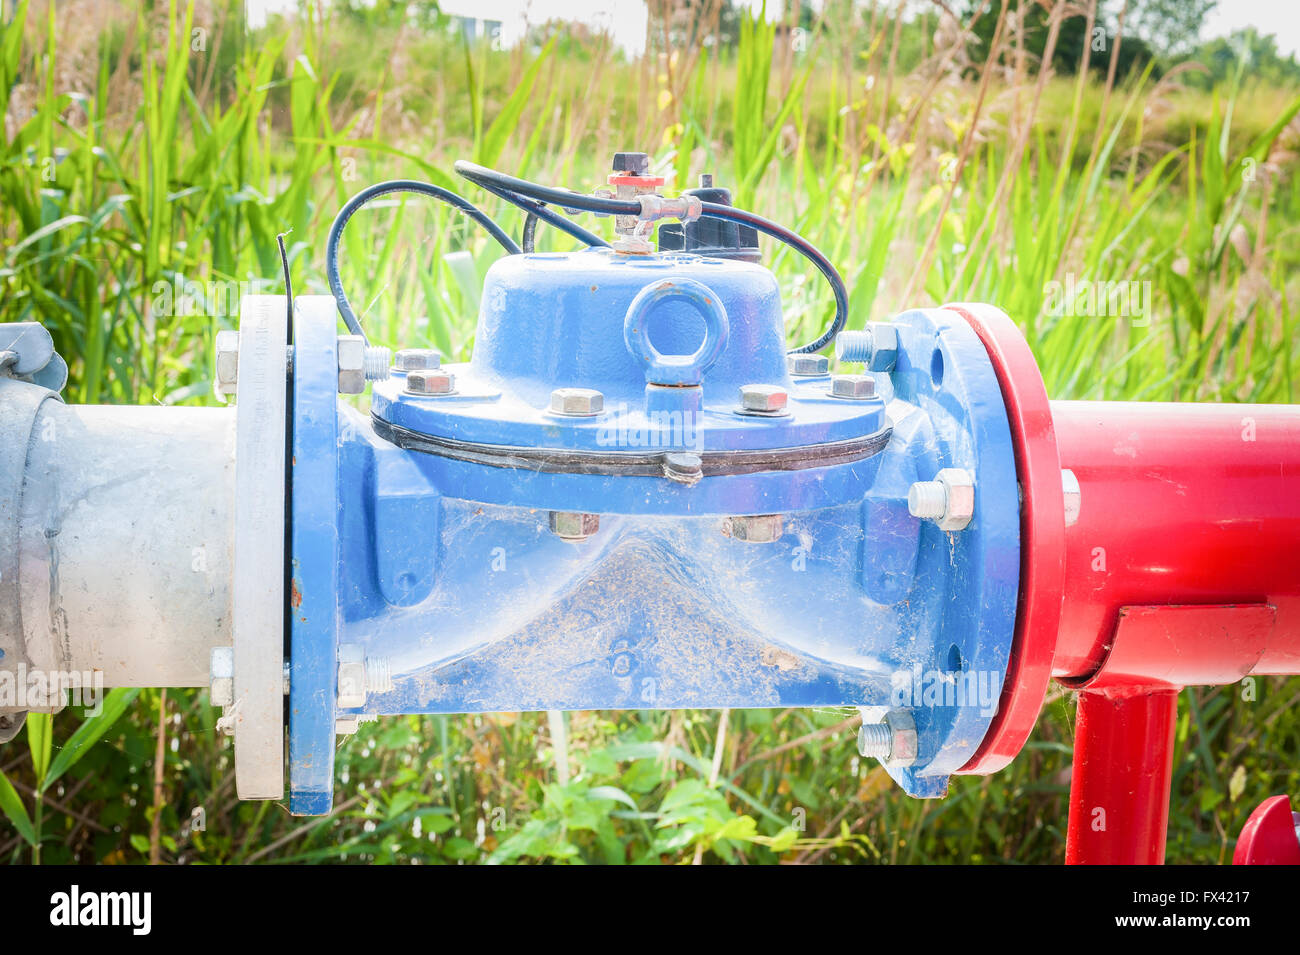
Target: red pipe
{"points": [[1119, 787], [1181, 504]]}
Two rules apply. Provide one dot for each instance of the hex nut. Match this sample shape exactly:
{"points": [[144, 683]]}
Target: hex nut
{"points": [[574, 525], [418, 359], [961, 498], [577, 402], [948, 500], [763, 399], [227, 376], [804, 366], [431, 381], [902, 738], [755, 528], [853, 387], [352, 364], [1073, 497], [884, 346], [351, 676]]}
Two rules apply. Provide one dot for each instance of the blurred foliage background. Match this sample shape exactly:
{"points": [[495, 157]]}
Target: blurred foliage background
{"points": [[935, 151]]}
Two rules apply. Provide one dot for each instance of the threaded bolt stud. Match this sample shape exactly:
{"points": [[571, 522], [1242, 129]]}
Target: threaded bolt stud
{"points": [[377, 358]]}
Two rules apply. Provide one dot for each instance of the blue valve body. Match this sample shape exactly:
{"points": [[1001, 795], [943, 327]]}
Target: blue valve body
{"points": [[423, 533]]}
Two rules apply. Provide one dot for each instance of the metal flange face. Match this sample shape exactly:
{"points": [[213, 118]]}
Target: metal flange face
{"points": [[258, 714]]}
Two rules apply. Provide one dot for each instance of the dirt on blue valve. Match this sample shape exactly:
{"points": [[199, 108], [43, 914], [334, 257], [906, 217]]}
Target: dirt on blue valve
{"points": [[634, 497]]}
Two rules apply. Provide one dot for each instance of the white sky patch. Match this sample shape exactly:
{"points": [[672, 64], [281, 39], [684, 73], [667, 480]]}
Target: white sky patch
{"points": [[1279, 17], [625, 20]]}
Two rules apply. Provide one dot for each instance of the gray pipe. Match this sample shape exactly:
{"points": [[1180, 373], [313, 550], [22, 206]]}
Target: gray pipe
{"points": [[125, 544]]}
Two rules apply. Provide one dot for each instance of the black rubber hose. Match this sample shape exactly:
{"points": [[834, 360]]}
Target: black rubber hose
{"points": [[538, 209], [528, 241], [500, 184], [384, 188]]}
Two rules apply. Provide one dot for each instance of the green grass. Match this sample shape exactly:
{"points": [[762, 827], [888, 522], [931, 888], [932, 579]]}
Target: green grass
{"points": [[923, 185]]}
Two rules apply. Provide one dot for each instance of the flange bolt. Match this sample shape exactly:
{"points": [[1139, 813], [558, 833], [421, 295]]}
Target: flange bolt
{"points": [[948, 500], [763, 399], [893, 740], [431, 381], [805, 366], [577, 402], [876, 346], [418, 359]]}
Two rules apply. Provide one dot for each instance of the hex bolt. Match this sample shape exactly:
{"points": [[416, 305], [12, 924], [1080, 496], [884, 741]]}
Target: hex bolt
{"points": [[351, 677], [806, 366], [352, 364], [853, 347], [574, 525], [853, 387], [873, 740], [1073, 497], [430, 381], [948, 500], [892, 740], [763, 399], [755, 528], [377, 360], [927, 500], [359, 675], [577, 402], [418, 359], [379, 675], [227, 376], [876, 346]]}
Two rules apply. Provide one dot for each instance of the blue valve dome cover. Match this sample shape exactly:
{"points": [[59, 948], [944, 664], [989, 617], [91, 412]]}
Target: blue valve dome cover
{"points": [[656, 335]]}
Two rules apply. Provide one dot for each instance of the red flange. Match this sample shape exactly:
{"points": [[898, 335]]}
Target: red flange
{"points": [[1180, 571], [1042, 536]]}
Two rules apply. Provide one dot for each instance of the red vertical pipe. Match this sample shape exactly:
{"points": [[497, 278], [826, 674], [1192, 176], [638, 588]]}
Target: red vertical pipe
{"points": [[1119, 786]]}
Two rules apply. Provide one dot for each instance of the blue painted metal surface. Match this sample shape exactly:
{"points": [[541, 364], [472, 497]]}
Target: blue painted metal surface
{"points": [[450, 574], [314, 557]]}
